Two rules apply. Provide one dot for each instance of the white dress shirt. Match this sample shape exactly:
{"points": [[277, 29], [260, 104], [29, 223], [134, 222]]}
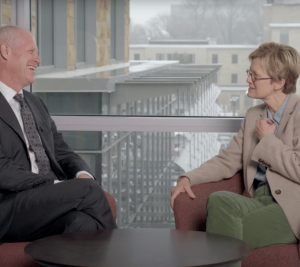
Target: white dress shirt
{"points": [[9, 94]]}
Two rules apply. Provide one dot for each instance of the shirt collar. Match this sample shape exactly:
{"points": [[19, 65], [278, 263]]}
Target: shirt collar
{"points": [[279, 112], [7, 92]]}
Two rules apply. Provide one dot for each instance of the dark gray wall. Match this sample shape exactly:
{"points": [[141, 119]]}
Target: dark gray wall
{"points": [[90, 32], [60, 34]]}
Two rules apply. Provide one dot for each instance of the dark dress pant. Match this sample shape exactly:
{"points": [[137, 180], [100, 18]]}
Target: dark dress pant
{"points": [[70, 206]]}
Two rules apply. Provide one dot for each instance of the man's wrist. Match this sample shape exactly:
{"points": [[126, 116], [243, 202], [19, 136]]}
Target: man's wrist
{"points": [[84, 172]]}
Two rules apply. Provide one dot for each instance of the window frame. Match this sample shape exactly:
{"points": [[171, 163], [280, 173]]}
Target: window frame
{"points": [[137, 55], [79, 63], [160, 56], [214, 58], [148, 124], [284, 37], [234, 78], [234, 59]]}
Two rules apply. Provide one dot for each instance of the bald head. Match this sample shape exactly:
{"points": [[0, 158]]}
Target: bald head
{"points": [[18, 57], [11, 35]]}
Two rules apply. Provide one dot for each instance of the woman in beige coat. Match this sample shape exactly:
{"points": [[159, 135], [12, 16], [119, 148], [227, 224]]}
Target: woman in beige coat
{"points": [[267, 148]]}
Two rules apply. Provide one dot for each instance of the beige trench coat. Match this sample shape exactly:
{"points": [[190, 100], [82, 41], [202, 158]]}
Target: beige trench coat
{"points": [[280, 153]]}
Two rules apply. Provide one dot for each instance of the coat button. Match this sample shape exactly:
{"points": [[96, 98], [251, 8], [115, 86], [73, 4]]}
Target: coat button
{"points": [[278, 192]]}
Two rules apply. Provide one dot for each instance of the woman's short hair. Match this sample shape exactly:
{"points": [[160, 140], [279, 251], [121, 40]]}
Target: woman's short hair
{"points": [[280, 62]]}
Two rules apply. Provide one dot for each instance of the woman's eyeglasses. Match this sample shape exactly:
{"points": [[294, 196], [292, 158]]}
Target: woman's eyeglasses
{"points": [[253, 76]]}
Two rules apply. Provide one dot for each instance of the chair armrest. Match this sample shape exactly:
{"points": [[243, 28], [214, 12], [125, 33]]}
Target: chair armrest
{"points": [[190, 214], [112, 204]]}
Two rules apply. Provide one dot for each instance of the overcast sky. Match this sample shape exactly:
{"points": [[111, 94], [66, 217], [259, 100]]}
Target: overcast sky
{"points": [[142, 10]]}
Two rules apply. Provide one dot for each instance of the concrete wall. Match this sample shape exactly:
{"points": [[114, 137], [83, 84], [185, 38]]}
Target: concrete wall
{"points": [[228, 68], [103, 32], [282, 14], [5, 12]]}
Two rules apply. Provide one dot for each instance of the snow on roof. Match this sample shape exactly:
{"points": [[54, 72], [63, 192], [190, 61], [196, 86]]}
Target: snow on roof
{"points": [[234, 88], [195, 46], [284, 25]]}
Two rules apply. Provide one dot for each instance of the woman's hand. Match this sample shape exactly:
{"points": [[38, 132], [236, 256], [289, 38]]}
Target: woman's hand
{"points": [[265, 127], [182, 186]]}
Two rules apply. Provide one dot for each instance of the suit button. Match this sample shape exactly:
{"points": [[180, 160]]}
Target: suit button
{"points": [[278, 192]]}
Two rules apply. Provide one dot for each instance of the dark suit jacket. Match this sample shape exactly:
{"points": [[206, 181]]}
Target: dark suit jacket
{"points": [[15, 166]]}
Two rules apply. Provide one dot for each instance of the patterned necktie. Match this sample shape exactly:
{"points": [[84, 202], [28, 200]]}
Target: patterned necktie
{"points": [[35, 143]]}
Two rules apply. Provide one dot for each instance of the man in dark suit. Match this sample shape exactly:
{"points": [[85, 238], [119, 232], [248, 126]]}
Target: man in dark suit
{"points": [[45, 188]]}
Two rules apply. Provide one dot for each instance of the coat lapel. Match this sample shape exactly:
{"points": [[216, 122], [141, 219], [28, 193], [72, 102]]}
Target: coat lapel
{"points": [[252, 166], [262, 115], [9, 117], [288, 111]]}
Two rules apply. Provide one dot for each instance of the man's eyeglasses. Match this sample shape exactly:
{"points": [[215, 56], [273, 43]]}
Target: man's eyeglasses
{"points": [[253, 76]]}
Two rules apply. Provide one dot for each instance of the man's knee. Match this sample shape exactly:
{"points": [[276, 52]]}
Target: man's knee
{"points": [[94, 188], [93, 193], [77, 221], [86, 187]]}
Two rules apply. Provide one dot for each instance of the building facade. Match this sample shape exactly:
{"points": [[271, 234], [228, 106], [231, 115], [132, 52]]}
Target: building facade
{"points": [[281, 25]]}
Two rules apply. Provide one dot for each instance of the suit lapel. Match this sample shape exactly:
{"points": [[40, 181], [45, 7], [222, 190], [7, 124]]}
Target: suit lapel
{"points": [[9, 117], [38, 122], [44, 138], [286, 114]]}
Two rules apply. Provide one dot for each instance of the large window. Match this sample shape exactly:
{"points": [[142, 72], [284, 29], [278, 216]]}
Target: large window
{"points": [[124, 117], [45, 32], [216, 32], [80, 30]]}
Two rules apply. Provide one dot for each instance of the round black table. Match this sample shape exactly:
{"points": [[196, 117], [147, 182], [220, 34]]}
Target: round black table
{"points": [[136, 248]]}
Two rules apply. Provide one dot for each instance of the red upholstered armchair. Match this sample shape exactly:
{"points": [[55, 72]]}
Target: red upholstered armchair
{"points": [[12, 254], [191, 215]]}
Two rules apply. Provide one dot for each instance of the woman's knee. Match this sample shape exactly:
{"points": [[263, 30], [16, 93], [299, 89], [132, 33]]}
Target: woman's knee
{"points": [[219, 196]]}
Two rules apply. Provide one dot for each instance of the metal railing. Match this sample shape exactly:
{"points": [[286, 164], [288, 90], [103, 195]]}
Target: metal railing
{"points": [[139, 158]]}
